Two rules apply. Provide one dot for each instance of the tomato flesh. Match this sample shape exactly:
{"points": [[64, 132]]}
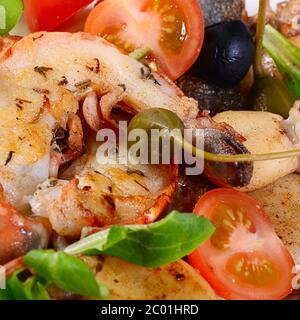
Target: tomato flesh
{"points": [[252, 269], [244, 258], [47, 15], [171, 29]]}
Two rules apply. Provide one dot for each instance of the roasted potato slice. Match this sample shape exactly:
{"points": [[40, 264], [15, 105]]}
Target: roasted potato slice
{"points": [[176, 281], [281, 201]]}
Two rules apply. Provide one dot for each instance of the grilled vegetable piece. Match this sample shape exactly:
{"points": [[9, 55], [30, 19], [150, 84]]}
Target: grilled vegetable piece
{"points": [[265, 134], [210, 97], [176, 281], [281, 201], [221, 10]]}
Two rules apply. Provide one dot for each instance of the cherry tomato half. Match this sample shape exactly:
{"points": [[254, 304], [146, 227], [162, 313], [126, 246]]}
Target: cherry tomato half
{"points": [[173, 30], [244, 258]]}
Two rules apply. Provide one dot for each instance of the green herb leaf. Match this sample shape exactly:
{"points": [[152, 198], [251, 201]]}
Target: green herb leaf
{"points": [[65, 271], [152, 245], [10, 13], [33, 288]]}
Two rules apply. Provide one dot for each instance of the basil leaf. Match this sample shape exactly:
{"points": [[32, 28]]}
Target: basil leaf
{"points": [[65, 271], [33, 288], [152, 245], [10, 13], [6, 294]]}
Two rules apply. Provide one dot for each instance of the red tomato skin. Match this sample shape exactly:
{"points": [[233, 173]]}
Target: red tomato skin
{"points": [[47, 15], [198, 261]]}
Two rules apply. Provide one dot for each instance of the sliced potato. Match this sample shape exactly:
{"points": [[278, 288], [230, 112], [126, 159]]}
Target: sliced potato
{"points": [[281, 201], [264, 134], [176, 281]]}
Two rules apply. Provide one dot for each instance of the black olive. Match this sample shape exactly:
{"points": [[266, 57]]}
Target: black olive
{"points": [[227, 54]]}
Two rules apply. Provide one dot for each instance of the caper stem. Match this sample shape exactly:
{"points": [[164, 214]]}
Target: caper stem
{"points": [[260, 30], [224, 158]]}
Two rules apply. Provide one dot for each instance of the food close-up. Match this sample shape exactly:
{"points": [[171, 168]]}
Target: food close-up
{"points": [[149, 149]]}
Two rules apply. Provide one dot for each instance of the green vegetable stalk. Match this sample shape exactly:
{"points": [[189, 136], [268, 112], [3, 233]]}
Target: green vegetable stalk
{"points": [[287, 57], [268, 93]]}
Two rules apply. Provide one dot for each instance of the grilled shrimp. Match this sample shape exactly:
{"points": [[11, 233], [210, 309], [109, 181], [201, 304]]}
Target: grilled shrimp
{"points": [[51, 74], [95, 195], [50, 83]]}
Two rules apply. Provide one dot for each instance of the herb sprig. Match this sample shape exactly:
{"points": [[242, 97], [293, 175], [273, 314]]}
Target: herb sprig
{"points": [[153, 245]]}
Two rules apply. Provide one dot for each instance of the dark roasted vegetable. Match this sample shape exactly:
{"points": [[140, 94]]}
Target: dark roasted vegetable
{"points": [[189, 190], [211, 97], [216, 11], [227, 54]]}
